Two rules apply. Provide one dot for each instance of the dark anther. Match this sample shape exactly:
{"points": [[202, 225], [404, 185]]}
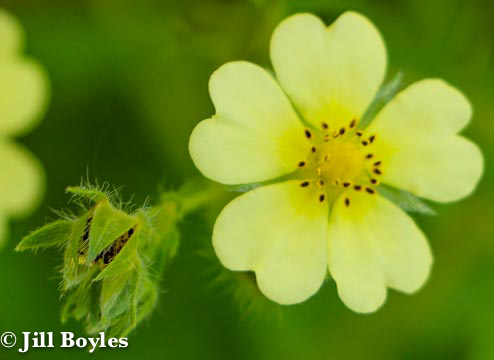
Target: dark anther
{"points": [[365, 143], [353, 123], [373, 181], [347, 202], [304, 184], [130, 232], [321, 197], [371, 139], [369, 156], [342, 131], [324, 126], [357, 187], [346, 184], [377, 171], [302, 163], [321, 182], [313, 149], [85, 236], [369, 190], [377, 163], [307, 134], [359, 133]]}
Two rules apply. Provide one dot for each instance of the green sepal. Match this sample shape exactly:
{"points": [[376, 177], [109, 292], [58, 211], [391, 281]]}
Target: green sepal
{"points": [[385, 94], [52, 234], [80, 300], [73, 270], [126, 260], [107, 225], [142, 302], [406, 200], [116, 293], [88, 193]]}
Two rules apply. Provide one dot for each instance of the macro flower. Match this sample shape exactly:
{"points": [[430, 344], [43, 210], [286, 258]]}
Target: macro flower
{"points": [[23, 91], [299, 134]]}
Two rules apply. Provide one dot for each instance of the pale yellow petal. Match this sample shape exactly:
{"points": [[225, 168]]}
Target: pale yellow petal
{"points": [[373, 244], [417, 142], [278, 231], [255, 134], [23, 93], [21, 179], [427, 107], [11, 36], [330, 73]]}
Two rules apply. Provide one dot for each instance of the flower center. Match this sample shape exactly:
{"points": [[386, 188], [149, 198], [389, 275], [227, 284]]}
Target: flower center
{"points": [[340, 161]]}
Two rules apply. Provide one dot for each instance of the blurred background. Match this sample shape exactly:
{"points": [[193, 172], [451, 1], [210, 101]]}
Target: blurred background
{"points": [[129, 82]]}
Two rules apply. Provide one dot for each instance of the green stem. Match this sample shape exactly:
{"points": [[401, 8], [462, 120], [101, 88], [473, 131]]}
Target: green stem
{"points": [[198, 193]]}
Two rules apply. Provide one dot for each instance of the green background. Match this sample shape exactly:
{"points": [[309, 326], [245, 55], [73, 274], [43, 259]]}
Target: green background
{"points": [[129, 82]]}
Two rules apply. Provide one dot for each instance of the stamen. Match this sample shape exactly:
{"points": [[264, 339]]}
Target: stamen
{"points": [[347, 202], [337, 182], [377, 172], [321, 183], [342, 131], [353, 123], [377, 163], [307, 134], [313, 149], [324, 125], [359, 133], [369, 156], [302, 163], [326, 158], [357, 187], [335, 134], [318, 171], [369, 190], [371, 139], [365, 143], [346, 184], [305, 184], [321, 197], [374, 181], [326, 138]]}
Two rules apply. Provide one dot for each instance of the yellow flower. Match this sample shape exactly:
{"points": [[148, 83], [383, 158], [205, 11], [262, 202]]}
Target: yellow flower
{"points": [[23, 89], [326, 211]]}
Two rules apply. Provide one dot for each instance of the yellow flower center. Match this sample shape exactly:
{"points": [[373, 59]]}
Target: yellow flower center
{"points": [[339, 161]]}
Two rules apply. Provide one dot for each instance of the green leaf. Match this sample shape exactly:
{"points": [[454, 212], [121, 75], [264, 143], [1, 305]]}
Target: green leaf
{"points": [[383, 96], [55, 233], [406, 200], [107, 225]]}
